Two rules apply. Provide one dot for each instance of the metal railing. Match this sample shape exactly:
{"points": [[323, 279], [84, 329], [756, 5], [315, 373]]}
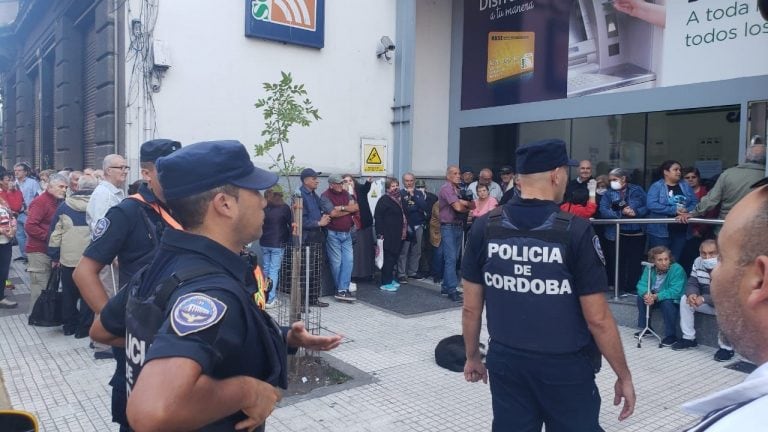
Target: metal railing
{"points": [[618, 222]]}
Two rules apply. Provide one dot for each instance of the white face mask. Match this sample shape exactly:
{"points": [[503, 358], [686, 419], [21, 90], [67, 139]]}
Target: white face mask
{"points": [[601, 191], [709, 263], [616, 185]]}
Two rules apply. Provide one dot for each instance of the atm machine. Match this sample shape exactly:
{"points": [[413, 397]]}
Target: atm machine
{"points": [[608, 50]]}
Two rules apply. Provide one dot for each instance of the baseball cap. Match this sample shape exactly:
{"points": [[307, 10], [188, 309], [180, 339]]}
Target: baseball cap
{"points": [[466, 169], [202, 166], [506, 169], [277, 189], [151, 150], [420, 183], [309, 172], [335, 179], [541, 156]]}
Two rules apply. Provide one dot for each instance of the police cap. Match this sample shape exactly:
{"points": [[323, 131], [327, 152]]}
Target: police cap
{"points": [[151, 150], [202, 166], [542, 156]]}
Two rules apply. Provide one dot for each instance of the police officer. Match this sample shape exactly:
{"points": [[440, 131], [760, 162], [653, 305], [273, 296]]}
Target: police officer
{"points": [[130, 232], [216, 339], [541, 275]]}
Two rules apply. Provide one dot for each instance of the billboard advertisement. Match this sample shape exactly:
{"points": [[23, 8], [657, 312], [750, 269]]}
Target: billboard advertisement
{"points": [[299, 22], [517, 51]]}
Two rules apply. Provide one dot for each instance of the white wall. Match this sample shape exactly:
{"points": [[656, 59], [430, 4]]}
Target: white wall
{"points": [[216, 76], [432, 79]]}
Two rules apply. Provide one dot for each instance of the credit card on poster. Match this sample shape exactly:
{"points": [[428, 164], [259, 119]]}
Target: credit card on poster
{"points": [[509, 54]]}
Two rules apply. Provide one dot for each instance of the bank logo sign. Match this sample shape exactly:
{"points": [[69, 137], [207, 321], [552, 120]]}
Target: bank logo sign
{"points": [[299, 22]]}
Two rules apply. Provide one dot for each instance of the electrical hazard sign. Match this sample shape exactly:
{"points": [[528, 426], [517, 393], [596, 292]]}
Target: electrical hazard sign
{"points": [[374, 157]]}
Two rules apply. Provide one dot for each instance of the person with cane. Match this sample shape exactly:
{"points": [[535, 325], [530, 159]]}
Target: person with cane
{"points": [[661, 286]]}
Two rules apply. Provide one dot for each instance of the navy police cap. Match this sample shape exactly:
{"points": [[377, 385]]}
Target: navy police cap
{"points": [[202, 166], [542, 156], [151, 150]]}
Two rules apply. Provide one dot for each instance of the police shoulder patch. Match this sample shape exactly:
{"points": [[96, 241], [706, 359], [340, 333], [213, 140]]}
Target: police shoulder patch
{"points": [[194, 312], [100, 228], [598, 249]]}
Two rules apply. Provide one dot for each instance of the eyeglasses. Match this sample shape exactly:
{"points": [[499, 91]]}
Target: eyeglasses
{"points": [[121, 167]]}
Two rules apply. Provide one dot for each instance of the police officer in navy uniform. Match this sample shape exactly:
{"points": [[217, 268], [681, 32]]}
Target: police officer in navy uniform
{"points": [[217, 359], [130, 232], [541, 276]]}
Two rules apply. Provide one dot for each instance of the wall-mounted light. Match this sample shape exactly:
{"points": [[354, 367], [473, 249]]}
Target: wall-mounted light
{"points": [[386, 48]]}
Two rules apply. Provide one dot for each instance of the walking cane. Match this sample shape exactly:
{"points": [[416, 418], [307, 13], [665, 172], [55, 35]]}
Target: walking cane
{"points": [[647, 328]]}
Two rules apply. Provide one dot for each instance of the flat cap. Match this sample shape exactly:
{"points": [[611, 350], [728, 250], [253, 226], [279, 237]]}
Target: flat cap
{"points": [[156, 148], [203, 166], [542, 156], [335, 179]]}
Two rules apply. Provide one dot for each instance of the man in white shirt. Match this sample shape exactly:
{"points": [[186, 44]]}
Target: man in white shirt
{"points": [[486, 178], [740, 292], [109, 192]]}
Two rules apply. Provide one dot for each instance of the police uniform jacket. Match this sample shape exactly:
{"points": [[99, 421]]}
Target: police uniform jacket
{"points": [[211, 320], [532, 281]]}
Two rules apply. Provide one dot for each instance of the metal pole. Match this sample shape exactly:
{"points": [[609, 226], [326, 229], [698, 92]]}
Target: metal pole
{"points": [[616, 265], [306, 292]]}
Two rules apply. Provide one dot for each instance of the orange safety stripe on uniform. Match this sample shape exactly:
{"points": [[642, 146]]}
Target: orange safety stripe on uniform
{"points": [[159, 210]]}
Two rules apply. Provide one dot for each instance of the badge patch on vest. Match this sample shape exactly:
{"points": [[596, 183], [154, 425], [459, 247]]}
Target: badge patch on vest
{"points": [[195, 312], [100, 228], [598, 249]]}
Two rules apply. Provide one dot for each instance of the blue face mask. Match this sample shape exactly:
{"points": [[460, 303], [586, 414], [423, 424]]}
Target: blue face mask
{"points": [[709, 263]]}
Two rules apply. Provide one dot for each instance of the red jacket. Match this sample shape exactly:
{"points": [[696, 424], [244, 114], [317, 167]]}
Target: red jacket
{"points": [[14, 199], [39, 216], [586, 211]]}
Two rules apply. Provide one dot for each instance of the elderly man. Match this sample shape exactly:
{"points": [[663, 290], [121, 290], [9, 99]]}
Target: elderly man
{"points": [[452, 209], [542, 368], [337, 203], [69, 238], [740, 292], [29, 188], [313, 221], [507, 175], [414, 203], [732, 185], [108, 193], [215, 358], [581, 181], [40, 215], [486, 178]]}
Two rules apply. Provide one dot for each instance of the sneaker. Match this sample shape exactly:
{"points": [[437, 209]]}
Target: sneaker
{"points": [[272, 304], [402, 280], [668, 341], [388, 287], [723, 355], [456, 297], [395, 284], [7, 304], [9, 285], [318, 303], [344, 296], [684, 344], [417, 276]]}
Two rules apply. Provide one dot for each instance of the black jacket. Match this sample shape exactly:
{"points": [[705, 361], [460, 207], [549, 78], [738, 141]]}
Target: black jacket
{"points": [[389, 223]]}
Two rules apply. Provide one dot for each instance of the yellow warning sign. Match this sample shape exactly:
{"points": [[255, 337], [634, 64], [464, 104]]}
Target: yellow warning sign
{"points": [[373, 157]]}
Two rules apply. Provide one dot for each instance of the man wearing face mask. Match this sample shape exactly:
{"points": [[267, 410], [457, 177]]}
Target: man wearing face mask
{"points": [[698, 299]]}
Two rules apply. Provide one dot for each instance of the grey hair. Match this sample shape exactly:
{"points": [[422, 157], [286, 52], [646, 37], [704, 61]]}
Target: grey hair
{"points": [[409, 174], [56, 177], [756, 154], [108, 159], [87, 182], [619, 172]]}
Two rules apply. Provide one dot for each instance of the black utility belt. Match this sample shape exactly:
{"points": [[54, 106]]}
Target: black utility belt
{"points": [[451, 223]]}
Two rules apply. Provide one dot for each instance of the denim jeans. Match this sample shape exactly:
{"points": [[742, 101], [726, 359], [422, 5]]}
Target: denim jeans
{"points": [[21, 235], [272, 259], [338, 244], [437, 262], [451, 245]]}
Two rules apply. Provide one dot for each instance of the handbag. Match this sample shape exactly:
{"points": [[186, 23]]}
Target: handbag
{"points": [[379, 257], [47, 309]]}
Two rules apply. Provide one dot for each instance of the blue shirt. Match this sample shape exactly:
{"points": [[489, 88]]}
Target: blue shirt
{"points": [[29, 188], [311, 213]]}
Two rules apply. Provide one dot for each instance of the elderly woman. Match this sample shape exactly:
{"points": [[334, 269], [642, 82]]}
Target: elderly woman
{"points": [[668, 198], [624, 200], [667, 283], [390, 222]]}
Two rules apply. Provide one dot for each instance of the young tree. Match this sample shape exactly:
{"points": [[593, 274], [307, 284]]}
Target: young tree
{"points": [[282, 110]]}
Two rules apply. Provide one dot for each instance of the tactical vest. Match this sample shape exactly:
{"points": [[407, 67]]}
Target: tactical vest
{"points": [[145, 315], [529, 290]]}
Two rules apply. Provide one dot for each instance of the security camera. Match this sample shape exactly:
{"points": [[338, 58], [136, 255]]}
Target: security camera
{"points": [[387, 43], [386, 46]]}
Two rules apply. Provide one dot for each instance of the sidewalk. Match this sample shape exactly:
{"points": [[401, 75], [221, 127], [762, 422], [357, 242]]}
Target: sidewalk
{"points": [[57, 378]]}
